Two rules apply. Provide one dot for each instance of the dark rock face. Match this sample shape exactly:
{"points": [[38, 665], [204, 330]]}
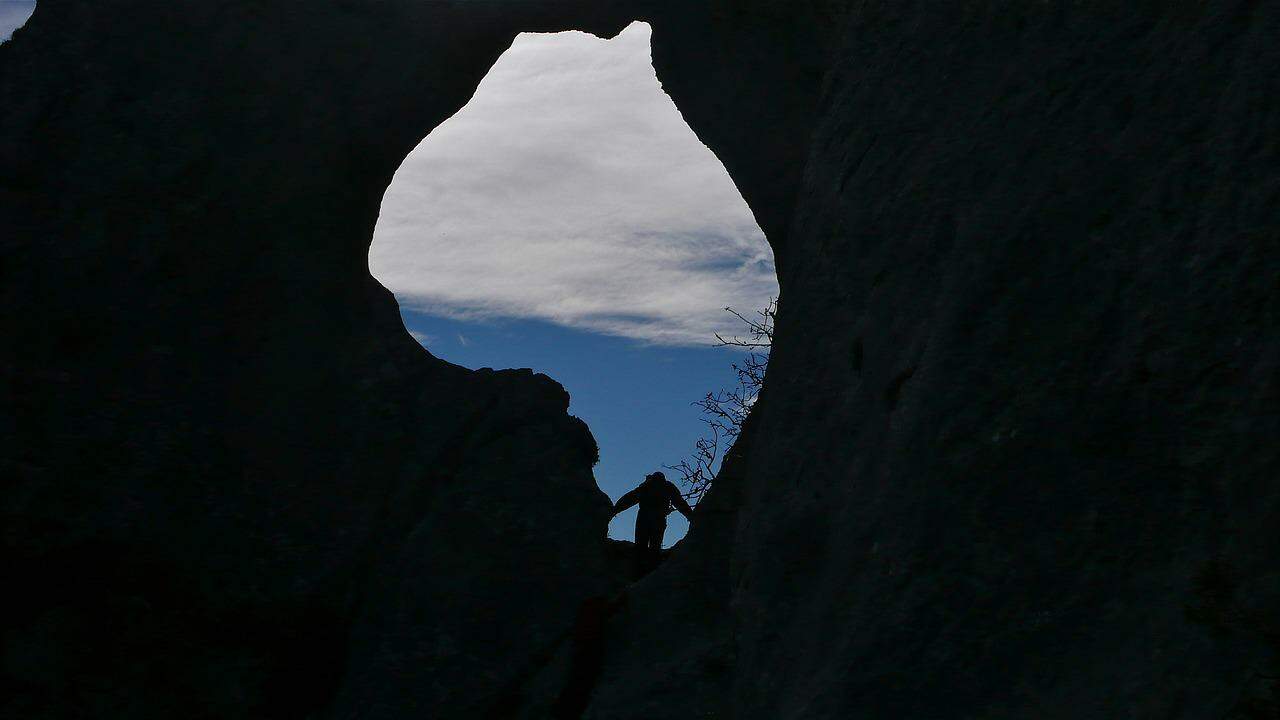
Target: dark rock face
{"points": [[236, 484], [1024, 390], [1013, 459], [1016, 456]]}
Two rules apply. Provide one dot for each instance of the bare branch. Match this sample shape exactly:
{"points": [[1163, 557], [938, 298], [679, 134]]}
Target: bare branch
{"points": [[725, 411]]}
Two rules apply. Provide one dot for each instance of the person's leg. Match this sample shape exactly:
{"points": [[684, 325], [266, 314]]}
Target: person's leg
{"points": [[642, 547], [654, 533]]}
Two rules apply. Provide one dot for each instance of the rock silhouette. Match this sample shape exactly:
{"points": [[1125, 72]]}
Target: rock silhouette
{"points": [[1015, 457]]}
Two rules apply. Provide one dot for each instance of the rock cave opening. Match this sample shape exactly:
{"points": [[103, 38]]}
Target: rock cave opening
{"points": [[568, 220]]}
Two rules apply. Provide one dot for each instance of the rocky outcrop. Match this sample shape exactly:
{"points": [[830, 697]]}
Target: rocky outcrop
{"points": [[236, 486], [1014, 458], [1024, 377]]}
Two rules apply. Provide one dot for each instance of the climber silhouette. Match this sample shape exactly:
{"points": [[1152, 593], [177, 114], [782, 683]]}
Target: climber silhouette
{"points": [[655, 496]]}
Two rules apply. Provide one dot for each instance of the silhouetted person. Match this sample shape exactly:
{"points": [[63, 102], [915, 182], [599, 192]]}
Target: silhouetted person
{"points": [[655, 496]]}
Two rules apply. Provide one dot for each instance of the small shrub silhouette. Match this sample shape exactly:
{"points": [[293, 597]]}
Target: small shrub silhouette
{"points": [[725, 411]]}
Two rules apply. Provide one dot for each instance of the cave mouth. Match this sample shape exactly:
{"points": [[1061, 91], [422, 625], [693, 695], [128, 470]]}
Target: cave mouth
{"points": [[568, 220]]}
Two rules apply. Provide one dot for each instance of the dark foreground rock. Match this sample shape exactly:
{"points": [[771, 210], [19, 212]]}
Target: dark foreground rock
{"points": [[1016, 457], [234, 485]]}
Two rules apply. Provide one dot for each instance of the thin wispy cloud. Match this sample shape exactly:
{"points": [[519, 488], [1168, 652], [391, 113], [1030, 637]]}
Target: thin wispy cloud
{"points": [[570, 189], [13, 15], [423, 338]]}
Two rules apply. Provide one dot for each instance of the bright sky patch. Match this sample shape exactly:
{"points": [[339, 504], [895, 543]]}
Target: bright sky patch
{"points": [[570, 190]]}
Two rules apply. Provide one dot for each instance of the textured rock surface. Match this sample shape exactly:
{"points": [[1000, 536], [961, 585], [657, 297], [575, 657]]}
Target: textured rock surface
{"points": [[1016, 458], [235, 479], [1024, 389]]}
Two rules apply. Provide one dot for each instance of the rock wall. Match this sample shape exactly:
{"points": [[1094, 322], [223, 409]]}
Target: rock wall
{"points": [[234, 484], [1015, 458]]}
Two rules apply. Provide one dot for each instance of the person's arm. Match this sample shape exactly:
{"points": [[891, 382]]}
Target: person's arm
{"points": [[626, 501], [678, 501]]}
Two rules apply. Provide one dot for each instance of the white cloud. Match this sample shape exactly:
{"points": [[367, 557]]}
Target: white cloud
{"points": [[570, 189], [13, 15]]}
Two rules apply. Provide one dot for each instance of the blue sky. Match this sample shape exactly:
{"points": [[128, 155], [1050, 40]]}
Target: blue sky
{"points": [[635, 397], [569, 221], [13, 13]]}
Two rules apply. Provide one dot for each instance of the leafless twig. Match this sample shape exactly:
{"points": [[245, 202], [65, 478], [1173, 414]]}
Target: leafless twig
{"points": [[725, 411]]}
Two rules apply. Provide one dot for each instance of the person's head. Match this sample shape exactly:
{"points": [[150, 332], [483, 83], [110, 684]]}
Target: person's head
{"points": [[655, 476]]}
